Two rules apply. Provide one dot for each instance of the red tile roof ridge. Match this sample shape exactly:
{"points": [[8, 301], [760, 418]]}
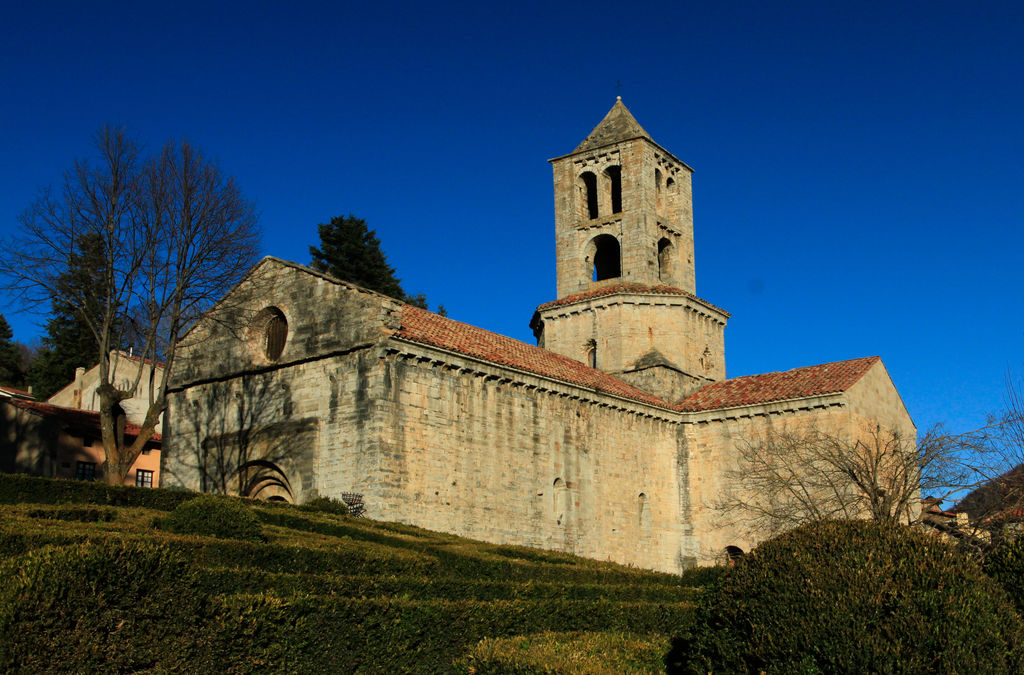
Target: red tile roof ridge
{"points": [[16, 392], [626, 287], [817, 380], [90, 418], [425, 327]]}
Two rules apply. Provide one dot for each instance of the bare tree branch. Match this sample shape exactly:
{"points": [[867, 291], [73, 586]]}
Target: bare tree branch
{"points": [[175, 233]]}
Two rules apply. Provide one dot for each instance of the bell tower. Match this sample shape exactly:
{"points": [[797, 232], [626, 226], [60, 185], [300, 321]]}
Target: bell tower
{"points": [[627, 299]]}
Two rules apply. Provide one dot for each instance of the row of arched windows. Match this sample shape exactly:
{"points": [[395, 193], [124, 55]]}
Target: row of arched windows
{"points": [[595, 201], [561, 497], [607, 199], [605, 254]]}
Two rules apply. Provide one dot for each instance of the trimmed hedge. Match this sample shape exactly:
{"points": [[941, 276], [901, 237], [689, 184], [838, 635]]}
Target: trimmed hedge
{"points": [[75, 515], [111, 607], [326, 505], [414, 587], [853, 597], [210, 516], [568, 653], [19, 488], [265, 633]]}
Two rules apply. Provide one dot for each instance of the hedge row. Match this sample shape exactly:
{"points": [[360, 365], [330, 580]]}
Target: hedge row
{"points": [[18, 488], [95, 607], [265, 633], [229, 581], [568, 653], [460, 558]]}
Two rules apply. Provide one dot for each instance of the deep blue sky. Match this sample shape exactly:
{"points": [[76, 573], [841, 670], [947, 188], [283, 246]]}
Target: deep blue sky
{"points": [[859, 183]]}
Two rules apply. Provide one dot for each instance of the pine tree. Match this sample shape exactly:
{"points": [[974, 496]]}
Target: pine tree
{"points": [[69, 342], [350, 251], [11, 373]]}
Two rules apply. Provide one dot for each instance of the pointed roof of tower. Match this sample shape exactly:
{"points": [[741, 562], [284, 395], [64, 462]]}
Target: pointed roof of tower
{"points": [[618, 125]]}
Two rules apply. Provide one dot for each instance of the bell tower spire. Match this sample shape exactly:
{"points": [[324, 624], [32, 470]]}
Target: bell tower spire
{"points": [[620, 189], [626, 281]]}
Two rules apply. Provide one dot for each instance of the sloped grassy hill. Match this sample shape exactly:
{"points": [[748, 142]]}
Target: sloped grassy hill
{"points": [[90, 581]]}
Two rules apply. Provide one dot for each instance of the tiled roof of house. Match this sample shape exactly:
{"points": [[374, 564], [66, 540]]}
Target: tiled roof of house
{"points": [[82, 420], [625, 287], [827, 378], [427, 328], [16, 393]]}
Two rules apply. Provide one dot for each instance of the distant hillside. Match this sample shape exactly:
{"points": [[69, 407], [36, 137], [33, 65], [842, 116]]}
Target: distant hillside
{"points": [[92, 580]]}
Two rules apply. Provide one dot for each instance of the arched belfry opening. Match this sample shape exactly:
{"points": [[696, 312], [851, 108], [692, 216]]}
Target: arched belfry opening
{"points": [[606, 257], [588, 195], [659, 193], [666, 259], [614, 176]]}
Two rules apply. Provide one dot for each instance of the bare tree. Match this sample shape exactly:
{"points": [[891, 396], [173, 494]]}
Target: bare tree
{"points": [[791, 475], [175, 233]]}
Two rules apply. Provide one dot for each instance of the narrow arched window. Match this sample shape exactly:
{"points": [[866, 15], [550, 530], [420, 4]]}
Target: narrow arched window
{"points": [[665, 252], [560, 501], [588, 189], [659, 198], [644, 512], [614, 174], [590, 351], [607, 258]]}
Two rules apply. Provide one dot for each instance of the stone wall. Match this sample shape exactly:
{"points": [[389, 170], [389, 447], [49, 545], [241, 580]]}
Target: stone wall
{"points": [[511, 458], [625, 327]]}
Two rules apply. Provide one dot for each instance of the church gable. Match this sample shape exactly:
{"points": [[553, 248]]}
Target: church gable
{"points": [[282, 313]]}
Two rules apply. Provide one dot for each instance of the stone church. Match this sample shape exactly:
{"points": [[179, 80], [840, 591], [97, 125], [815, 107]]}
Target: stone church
{"points": [[611, 438]]}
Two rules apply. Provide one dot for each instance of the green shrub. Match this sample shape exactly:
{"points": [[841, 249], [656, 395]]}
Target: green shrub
{"points": [[701, 577], [557, 653], [1006, 565], [222, 517], [110, 607], [852, 597], [16, 488], [265, 633], [75, 515], [326, 505]]}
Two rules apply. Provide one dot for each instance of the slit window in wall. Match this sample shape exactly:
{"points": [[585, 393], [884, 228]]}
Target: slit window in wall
{"points": [[560, 500], [607, 264], [659, 200], [643, 512], [588, 194], [665, 256], [614, 174], [590, 353]]}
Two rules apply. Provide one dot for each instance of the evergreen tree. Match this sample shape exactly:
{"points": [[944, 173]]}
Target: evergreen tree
{"points": [[11, 373], [69, 342], [350, 251]]}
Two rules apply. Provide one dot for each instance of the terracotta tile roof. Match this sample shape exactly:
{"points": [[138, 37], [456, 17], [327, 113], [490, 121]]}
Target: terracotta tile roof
{"points": [[421, 326], [827, 378], [74, 418], [17, 393], [626, 287]]}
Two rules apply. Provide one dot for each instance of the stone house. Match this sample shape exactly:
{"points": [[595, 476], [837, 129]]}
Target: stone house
{"points": [[611, 438], [125, 368]]}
